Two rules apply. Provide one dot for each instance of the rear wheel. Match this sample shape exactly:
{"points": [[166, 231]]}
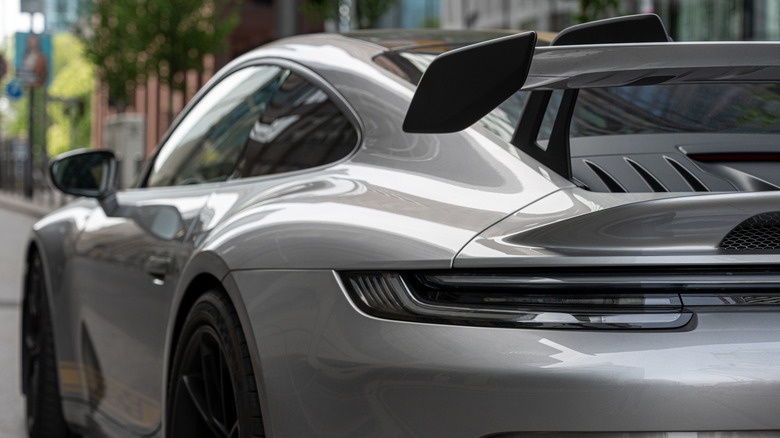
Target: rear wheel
{"points": [[212, 390], [39, 363]]}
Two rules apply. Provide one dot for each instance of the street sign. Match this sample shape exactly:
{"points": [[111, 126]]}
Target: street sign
{"points": [[33, 59], [14, 90], [31, 6], [3, 67]]}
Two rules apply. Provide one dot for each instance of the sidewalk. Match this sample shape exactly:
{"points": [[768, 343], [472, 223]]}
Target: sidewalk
{"points": [[40, 205]]}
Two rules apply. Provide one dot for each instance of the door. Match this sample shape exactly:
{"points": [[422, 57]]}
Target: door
{"points": [[126, 267]]}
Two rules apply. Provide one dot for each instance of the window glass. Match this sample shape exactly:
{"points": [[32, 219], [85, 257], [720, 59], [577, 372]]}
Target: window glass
{"points": [[207, 143], [545, 130], [725, 108], [503, 120], [299, 128]]}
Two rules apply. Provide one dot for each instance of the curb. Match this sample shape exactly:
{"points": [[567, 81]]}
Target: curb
{"points": [[24, 206]]}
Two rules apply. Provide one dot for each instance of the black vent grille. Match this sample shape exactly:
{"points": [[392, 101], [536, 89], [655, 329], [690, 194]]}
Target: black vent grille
{"points": [[612, 184], [759, 232], [642, 174]]}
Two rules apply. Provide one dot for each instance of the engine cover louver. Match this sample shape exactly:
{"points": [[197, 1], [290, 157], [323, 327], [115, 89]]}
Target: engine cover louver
{"points": [[760, 232], [641, 174]]}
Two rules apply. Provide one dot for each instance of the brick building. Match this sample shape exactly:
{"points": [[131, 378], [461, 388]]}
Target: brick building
{"points": [[261, 21]]}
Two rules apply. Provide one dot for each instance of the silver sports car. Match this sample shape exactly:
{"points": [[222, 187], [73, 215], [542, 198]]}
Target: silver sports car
{"points": [[428, 234]]}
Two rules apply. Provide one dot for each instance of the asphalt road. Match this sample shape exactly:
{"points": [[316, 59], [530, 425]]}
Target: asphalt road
{"points": [[14, 231]]}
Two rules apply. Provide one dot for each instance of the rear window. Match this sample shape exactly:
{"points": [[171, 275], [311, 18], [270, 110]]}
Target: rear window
{"points": [[685, 108]]}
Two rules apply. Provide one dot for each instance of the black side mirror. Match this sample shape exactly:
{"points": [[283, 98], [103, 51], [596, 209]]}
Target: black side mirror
{"points": [[89, 173]]}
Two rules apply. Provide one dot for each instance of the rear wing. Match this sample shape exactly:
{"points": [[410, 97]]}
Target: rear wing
{"points": [[617, 65], [463, 85], [633, 50]]}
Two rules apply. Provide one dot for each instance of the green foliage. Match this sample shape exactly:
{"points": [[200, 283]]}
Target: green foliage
{"points": [[114, 46], [65, 125], [74, 74], [591, 10], [430, 23], [132, 39], [70, 96], [763, 114], [18, 125], [18, 119], [368, 12], [320, 10]]}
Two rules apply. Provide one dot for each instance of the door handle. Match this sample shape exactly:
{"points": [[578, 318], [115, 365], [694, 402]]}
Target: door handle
{"points": [[158, 266]]}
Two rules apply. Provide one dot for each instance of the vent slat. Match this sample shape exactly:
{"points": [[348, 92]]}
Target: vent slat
{"points": [[652, 181], [612, 184], [691, 179]]}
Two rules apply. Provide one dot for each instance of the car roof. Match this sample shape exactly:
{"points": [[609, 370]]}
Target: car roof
{"points": [[416, 39], [577, 66], [366, 44]]}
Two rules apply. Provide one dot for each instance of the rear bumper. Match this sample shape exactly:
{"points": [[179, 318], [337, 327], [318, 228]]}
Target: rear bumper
{"points": [[329, 370]]}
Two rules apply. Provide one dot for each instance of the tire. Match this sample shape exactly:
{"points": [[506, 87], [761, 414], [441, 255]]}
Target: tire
{"points": [[212, 391], [39, 363]]}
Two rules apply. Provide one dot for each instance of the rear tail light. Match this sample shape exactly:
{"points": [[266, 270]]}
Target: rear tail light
{"points": [[595, 299]]}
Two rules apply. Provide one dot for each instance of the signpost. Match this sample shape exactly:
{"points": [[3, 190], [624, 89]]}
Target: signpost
{"points": [[33, 58], [31, 6], [3, 67], [14, 90]]}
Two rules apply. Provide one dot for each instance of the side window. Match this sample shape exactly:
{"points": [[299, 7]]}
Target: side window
{"points": [[545, 131], [299, 128], [503, 120], [208, 142]]}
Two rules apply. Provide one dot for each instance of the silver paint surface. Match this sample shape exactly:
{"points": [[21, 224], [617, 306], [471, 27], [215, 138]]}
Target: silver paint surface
{"points": [[623, 64], [323, 359], [404, 201]]}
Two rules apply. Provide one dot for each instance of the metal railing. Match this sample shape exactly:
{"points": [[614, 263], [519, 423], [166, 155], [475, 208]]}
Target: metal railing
{"points": [[13, 160]]}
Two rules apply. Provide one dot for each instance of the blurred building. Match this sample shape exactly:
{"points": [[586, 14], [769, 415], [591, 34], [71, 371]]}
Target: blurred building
{"points": [[541, 15], [261, 21], [60, 15], [686, 20], [265, 20], [720, 20], [413, 14]]}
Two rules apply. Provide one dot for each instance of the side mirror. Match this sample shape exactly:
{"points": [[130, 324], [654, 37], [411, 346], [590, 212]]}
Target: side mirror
{"points": [[89, 173]]}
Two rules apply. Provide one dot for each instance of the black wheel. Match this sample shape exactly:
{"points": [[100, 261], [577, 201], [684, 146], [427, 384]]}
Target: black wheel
{"points": [[39, 362], [212, 390]]}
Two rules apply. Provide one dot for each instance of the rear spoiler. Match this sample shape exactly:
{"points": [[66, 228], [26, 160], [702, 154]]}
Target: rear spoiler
{"points": [[641, 28], [463, 85], [565, 68]]}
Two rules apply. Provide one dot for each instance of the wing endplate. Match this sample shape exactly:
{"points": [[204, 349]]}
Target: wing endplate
{"points": [[641, 28], [463, 85]]}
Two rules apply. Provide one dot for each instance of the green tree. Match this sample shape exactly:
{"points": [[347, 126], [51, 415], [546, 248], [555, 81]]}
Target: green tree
{"points": [[9, 109], [591, 10], [113, 44], [129, 40], [70, 96], [368, 12], [68, 121]]}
